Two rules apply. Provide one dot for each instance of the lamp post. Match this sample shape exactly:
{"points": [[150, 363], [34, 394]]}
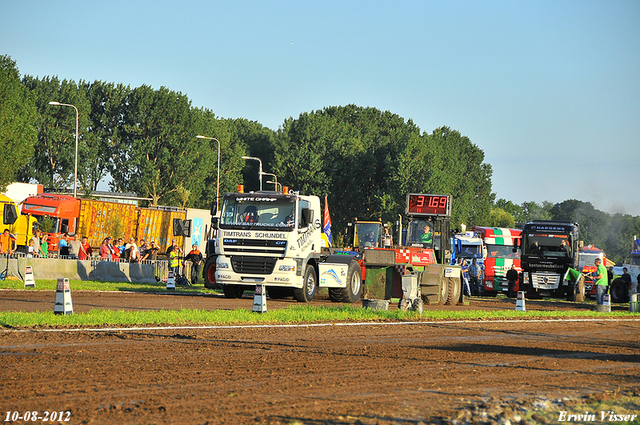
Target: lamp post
{"points": [[275, 179], [218, 177], [75, 176], [259, 171]]}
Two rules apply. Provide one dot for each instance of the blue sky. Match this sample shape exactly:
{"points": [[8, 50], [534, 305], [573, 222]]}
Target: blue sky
{"points": [[549, 90]]}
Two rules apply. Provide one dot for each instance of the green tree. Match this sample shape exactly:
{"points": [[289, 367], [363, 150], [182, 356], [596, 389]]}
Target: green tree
{"points": [[500, 218], [157, 150], [53, 162], [18, 115]]}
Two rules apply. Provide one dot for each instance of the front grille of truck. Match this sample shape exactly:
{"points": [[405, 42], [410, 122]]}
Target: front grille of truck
{"points": [[253, 265], [543, 280], [237, 246]]}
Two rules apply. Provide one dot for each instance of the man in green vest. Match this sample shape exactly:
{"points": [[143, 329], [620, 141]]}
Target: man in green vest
{"points": [[602, 281]]}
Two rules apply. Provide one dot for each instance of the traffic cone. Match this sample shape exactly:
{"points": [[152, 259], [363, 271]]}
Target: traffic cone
{"points": [[171, 281], [29, 282], [63, 304], [520, 302], [260, 299]]}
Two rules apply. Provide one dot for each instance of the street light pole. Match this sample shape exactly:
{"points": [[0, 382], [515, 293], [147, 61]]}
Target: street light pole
{"points": [[75, 176], [259, 171], [275, 182], [218, 177]]}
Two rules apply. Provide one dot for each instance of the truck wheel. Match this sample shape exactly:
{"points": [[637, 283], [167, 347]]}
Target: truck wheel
{"points": [[353, 291], [233, 291], [454, 291], [209, 273], [618, 291], [309, 286]]}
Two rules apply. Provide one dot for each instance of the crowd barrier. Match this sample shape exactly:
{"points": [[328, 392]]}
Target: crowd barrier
{"points": [[94, 268]]}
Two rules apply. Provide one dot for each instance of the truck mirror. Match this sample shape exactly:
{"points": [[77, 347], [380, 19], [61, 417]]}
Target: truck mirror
{"points": [[214, 208], [186, 228], [307, 217], [214, 223], [177, 227], [9, 215]]}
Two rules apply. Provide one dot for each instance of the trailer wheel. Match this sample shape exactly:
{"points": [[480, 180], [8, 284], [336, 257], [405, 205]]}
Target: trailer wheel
{"points": [[209, 273], [309, 286], [233, 291], [618, 291], [455, 286]]}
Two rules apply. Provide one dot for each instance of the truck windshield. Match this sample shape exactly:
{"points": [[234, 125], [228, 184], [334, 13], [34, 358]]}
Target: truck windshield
{"points": [[470, 251], [547, 245], [501, 251], [252, 212], [48, 224], [589, 258]]}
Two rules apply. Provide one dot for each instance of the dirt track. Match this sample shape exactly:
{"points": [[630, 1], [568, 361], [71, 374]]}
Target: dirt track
{"points": [[385, 373]]}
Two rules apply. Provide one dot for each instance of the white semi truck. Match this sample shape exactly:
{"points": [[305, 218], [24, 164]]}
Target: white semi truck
{"points": [[274, 239]]}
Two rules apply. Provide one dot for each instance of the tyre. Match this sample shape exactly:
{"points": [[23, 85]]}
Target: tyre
{"points": [[309, 286], [618, 291], [233, 291], [278, 292], [455, 287], [580, 295], [444, 290], [353, 290], [209, 273]]}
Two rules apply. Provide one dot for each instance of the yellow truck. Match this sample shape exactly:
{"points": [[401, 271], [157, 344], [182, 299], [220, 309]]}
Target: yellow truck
{"points": [[21, 228]]}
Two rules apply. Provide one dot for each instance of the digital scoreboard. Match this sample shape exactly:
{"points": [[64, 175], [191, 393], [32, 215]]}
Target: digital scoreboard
{"points": [[424, 204]]}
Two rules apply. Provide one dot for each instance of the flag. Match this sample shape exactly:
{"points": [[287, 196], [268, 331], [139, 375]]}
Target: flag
{"points": [[326, 228]]}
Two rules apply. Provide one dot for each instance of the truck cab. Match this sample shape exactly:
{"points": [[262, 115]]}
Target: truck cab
{"points": [[55, 214]]}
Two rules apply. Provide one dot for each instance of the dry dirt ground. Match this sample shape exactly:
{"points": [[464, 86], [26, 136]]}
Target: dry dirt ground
{"points": [[387, 373]]}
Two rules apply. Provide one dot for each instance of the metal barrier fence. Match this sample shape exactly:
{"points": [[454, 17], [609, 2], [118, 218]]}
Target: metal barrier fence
{"points": [[64, 265]]}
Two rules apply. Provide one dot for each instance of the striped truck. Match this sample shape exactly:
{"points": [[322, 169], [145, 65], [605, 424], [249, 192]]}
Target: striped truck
{"points": [[499, 244]]}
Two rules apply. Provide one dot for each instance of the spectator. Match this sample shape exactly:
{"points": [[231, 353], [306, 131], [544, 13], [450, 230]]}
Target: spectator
{"points": [[36, 243], [31, 249], [74, 247], [153, 251], [171, 248], [85, 251], [132, 251], [386, 238], [44, 245], [175, 260], [626, 279], [105, 250], [63, 246], [6, 242], [474, 277], [512, 277], [142, 247], [195, 256], [118, 249]]}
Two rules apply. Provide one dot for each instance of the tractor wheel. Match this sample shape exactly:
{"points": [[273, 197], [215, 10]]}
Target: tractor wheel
{"points": [[309, 286], [618, 291], [209, 273], [444, 290], [455, 287], [580, 295]]}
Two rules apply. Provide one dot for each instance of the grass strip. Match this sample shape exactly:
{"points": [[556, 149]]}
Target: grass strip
{"points": [[291, 315]]}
